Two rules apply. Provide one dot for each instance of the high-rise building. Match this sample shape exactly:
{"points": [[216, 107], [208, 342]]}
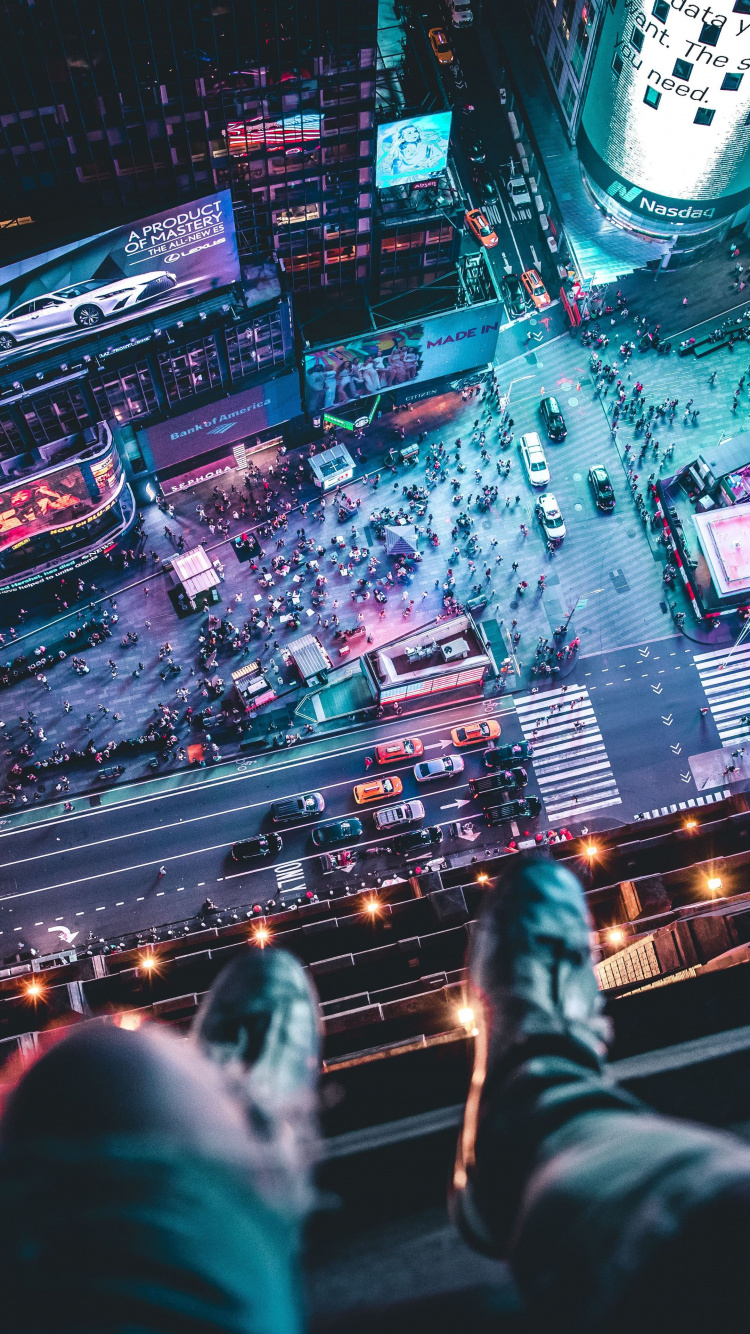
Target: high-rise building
{"points": [[664, 136], [114, 110], [565, 35]]}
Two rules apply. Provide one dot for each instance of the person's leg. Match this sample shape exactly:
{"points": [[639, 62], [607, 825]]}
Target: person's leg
{"points": [[594, 1199]]}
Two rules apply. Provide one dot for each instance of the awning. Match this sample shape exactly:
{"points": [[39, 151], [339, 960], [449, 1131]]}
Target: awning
{"points": [[309, 657], [401, 541], [195, 571]]}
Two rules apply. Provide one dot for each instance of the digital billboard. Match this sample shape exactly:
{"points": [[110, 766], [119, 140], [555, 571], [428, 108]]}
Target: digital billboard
{"points": [[56, 297], [290, 134], [392, 358], [183, 438], [411, 150], [58, 499], [665, 131]]}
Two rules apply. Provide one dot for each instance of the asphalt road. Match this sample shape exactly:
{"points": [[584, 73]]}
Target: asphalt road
{"points": [[621, 736]]}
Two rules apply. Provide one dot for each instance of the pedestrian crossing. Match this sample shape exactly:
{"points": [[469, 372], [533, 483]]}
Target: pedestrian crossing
{"points": [[706, 800], [725, 677], [570, 760]]}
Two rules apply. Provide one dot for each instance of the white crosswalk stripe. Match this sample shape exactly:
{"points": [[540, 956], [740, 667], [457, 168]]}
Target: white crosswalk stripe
{"points": [[571, 763], [706, 800], [725, 677]]}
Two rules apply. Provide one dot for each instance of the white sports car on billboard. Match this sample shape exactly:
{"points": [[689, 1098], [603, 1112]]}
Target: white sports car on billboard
{"points": [[80, 306]]}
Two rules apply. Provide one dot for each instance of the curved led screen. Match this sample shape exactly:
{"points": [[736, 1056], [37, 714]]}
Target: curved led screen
{"points": [[665, 131], [64, 497]]}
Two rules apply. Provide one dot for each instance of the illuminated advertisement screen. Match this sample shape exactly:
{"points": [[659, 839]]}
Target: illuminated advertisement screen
{"points": [[56, 297], [69, 495], [412, 150], [393, 358], [289, 134], [665, 131]]}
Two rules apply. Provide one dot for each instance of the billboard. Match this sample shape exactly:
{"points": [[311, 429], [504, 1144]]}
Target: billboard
{"points": [[243, 414], [412, 150], [62, 498], [287, 134], [55, 298], [665, 130], [391, 358]]}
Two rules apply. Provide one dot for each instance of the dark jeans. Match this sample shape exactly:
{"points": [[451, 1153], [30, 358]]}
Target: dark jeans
{"points": [[134, 1198], [612, 1217]]}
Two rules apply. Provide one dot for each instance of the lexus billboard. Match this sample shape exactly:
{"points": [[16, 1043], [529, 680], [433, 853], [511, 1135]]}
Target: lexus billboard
{"points": [[55, 298], [393, 358], [665, 132]]}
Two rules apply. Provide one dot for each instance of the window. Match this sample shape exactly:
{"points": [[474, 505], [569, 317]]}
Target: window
{"points": [[637, 39], [682, 69], [703, 116], [544, 34], [617, 63], [569, 99], [567, 17], [731, 83], [660, 10], [710, 34], [652, 98], [556, 65]]}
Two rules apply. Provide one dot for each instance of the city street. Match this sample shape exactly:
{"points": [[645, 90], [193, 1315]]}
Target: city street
{"points": [[594, 768]]}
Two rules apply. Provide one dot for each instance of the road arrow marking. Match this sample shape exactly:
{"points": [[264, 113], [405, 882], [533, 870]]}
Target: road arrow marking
{"points": [[668, 720], [434, 745], [676, 749], [457, 804], [644, 652], [657, 689], [65, 933], [686, 777]]}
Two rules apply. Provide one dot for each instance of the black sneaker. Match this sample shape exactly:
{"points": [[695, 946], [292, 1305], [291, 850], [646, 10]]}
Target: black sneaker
{"points": [[540, 1029]]}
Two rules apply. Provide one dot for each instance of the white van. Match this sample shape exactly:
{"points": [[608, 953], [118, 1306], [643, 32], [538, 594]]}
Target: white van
{"points": [[534, 459], [518, 190], [461, 13]]}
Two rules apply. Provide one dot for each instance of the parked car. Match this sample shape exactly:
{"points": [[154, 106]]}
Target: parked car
{"points": [[261, 845], [498, 756], [601, 487], [518, 190], [552, 417], [514, 294], [461, 13], [536, 289], [338, 831], [403, 749], [479, 729], [388, 817], [448, 765], [549, 516], [484, 182], [430, 836], [377, 788], [510, 810], [297, 808], [81, 306], [479, 225], [441, 46], [534, 459]]}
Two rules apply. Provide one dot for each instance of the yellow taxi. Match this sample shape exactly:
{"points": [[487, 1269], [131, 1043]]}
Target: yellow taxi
{"points": [[480, 730], [406, 748], [536, 289], [377, 788], [441, 46]]}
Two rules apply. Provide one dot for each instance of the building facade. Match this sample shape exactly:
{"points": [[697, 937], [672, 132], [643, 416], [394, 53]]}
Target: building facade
{"points": [[113, 110], [565, 34]]}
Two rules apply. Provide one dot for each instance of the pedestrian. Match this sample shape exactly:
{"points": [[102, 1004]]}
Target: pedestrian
{"points": [[684, 301]]}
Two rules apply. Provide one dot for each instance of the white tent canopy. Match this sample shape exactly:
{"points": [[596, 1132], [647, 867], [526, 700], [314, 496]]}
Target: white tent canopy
{"points": [[195, 571]]}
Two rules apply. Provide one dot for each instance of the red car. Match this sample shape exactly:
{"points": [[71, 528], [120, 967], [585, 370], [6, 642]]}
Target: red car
{"points": [[479, 225]]}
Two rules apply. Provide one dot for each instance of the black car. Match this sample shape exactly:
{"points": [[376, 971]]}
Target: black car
{"points": [[601, 488], [509, 810], [418, 838], [553, 419], [297, 808], [514, 294], [485, 186], [516, 777], [508, 754], [337, 832], [476, 150], [262, 845]]}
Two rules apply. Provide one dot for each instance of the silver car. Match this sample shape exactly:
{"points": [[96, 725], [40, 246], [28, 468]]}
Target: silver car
{"points": [[405, 813], [80, 306], [445, 767]]}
